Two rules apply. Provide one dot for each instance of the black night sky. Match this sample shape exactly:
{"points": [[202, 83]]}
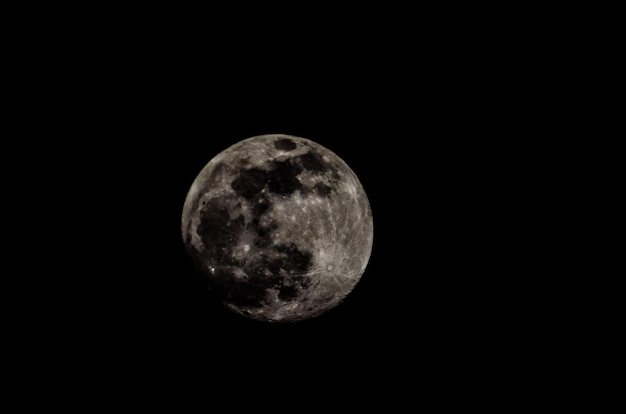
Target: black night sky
{"points": [[434, 291], [435, 142]]}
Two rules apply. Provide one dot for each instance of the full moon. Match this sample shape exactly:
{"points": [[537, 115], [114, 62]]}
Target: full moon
{"points": [[280, 226]]}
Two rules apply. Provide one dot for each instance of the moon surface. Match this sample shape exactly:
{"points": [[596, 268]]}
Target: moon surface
{"points": [[280, 226]]}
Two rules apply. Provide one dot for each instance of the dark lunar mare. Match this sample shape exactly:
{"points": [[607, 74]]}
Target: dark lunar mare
{"points": [[281, 177], [284, 270], [285, 144], [218, 231], [249, 182]]}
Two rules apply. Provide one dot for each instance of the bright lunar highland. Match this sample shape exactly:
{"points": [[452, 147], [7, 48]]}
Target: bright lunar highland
{"points": [[280, 226]]}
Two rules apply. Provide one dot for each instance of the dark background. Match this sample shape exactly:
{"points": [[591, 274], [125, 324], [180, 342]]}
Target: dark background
{"points": [[438, 293], [435, 123]]}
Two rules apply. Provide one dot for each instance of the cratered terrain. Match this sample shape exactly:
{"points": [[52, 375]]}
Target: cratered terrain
{"points": [[280, 226]]}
